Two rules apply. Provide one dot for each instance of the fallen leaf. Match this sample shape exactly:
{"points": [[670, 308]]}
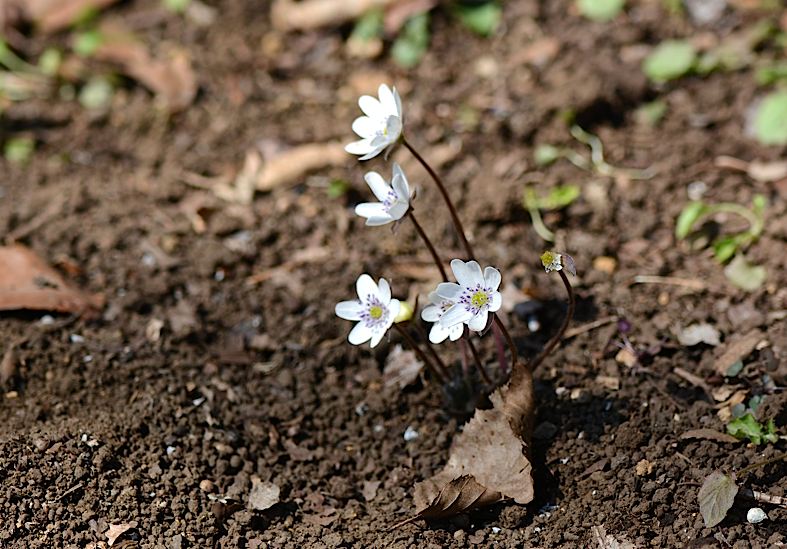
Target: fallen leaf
{"points": [[737, 350], [263, 495], [52, 15], [117, 530], [288, 15], [767, 171], [26, 282], [716, 496], [369, 490], [608, 541], [172, 79], [291, 164], [401, 368], [698, 333], [709, 434]]}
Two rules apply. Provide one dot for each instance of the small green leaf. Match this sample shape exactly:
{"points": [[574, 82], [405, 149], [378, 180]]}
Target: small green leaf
{"points": [[18, 150], [412, 43], [50, 60], [650, 114], [687, 218], [96, 93], [670, 60], [600, 10], [482, 19], [724, 248], [544, 155], [560, 197], [716, 497], [178, 6], [369, 26], [86, 43], [770, 121], [748, 427], [734, 369], [338, 188], [744, 275], [769, 74]]}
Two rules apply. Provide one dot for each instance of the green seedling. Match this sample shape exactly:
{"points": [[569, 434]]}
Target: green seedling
{"points": [[747, 427], [411, 44], [177, 6], [669, 61], [770, 121], [771, 73], [18, 150], [651, 114], [482, 19], [86, 43], [724, 247], [545, 155], [338, 188], [558, 198], [600, 10]]}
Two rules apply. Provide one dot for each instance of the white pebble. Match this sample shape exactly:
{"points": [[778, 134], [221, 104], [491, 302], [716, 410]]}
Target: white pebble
{"points": [[410, 434], [76, 338], [756, 515], [495, 530]]}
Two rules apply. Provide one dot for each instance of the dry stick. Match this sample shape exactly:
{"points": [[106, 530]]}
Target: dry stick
{"points": [[411, 342], [429, 245], [552, 343], [446, 198], [478, 364], [751, 468]]}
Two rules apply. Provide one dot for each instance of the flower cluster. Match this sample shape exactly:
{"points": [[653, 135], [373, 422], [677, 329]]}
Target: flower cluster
{"points": [[468, 302]]}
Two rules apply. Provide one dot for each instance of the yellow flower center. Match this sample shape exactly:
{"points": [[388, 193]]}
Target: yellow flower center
{"points": [[376, 312], [479, 299]]}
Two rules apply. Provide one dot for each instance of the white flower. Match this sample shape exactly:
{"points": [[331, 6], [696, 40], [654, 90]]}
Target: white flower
{"points": [[382, 125], [553, 261], [433, 313], [394, 198], [374, 309], [474, 297]]}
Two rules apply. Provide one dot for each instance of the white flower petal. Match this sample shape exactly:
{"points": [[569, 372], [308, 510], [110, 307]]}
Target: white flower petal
{"points": [[380, 140], [431, 313], [378, 221], [377, 184], [496, 302], [478, 322], [393, 128], [398, 102], [400, 185], [377, 337], [438, 334], [359, 147], [384, 289], [462, 273], [457, 314], [366, 127], [371, 107], [360, 334], [475, 272], [393, 309], [492, 278], [435, 299], [449, 290], [349, 310], [398, 209], [371, 209], [455, 332], [387, 100], [366, 287], [374, 151]]}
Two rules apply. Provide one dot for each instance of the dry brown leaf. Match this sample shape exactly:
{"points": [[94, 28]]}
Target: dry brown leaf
{"points": [[369, 490], [767, 171], [171, 79], [608, 541], [289, 165], [738, 350], [117, 530], [263, 495], [401, 368], [26, 282], [53, 15], [311, 14], [709, 434]]}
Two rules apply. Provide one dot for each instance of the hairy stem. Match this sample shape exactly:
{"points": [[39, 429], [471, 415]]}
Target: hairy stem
{"points": [[509, 340], [437, 359], [477, 359], [757, 465], [447, 199], [552, 343]]}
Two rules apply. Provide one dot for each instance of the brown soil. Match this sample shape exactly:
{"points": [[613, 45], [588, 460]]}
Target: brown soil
{"points": [[103, 423]]}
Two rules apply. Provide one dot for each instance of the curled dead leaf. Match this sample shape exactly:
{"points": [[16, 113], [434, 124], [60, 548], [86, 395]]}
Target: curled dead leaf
{"points": [[401, 368], [263, 495], [738, 350], [117, 530], [710, 434], [311, 14], [27, 282]]}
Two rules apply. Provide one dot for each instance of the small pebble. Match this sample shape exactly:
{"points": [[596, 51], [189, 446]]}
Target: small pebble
{"points": [[410, 434], [47, 320], [495, 530], [76, 338], [206, 486], [756, 515]]}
